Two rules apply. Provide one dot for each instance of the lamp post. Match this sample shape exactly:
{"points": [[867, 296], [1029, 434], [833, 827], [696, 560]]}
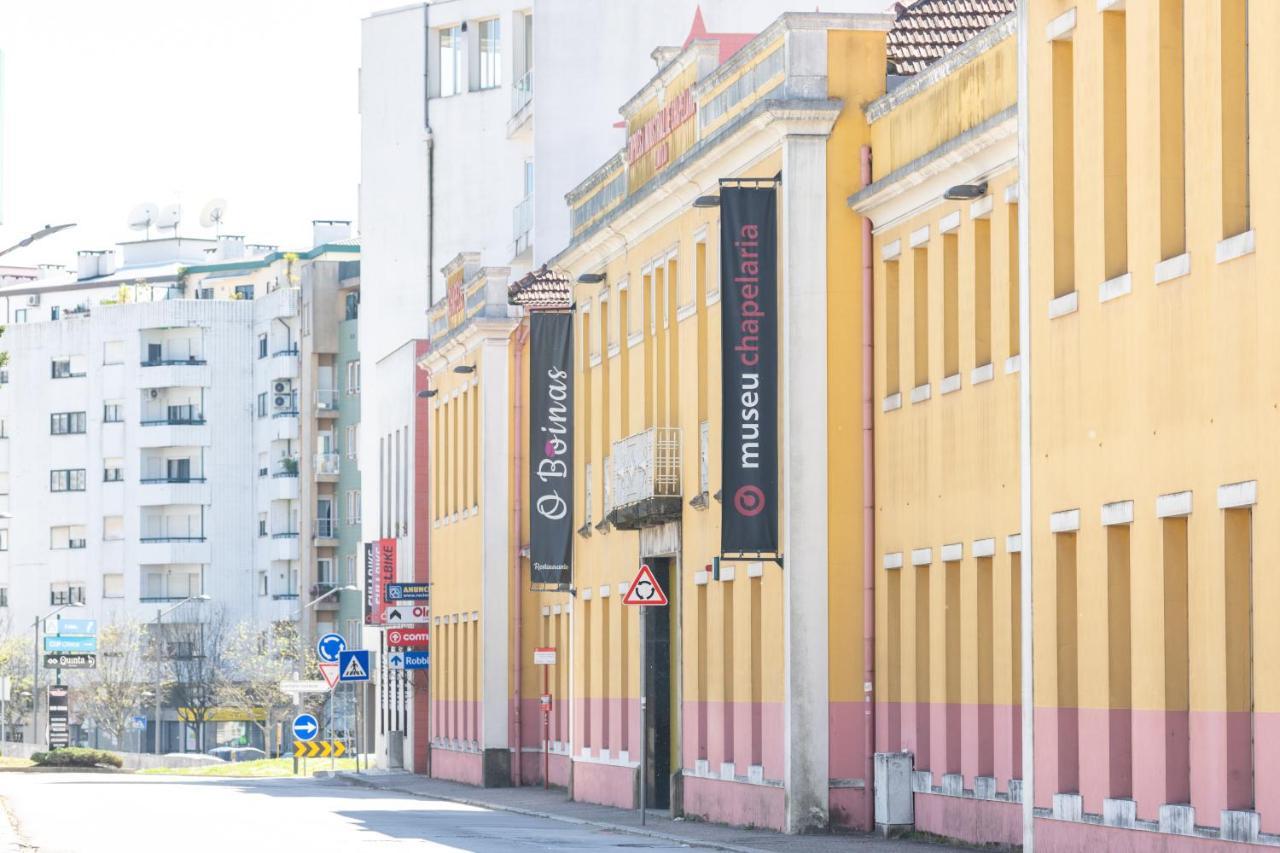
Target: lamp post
{"points": [[160, 614], [35, 670]]}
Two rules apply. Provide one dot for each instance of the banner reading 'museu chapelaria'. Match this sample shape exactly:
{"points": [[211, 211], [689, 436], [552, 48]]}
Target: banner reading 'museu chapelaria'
{"points": [[749, 355], [551, 449]]}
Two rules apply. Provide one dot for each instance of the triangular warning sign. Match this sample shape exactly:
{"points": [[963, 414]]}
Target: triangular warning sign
{"points": [[644, 590], [354, 671], [330, 673]]}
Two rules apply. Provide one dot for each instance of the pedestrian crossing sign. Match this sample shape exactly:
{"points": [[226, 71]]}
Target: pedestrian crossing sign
{"points": [[353, 665]]}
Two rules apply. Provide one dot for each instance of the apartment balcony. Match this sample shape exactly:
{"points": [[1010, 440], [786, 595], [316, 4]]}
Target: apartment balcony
{"points": [[284, 545], [183, 550], [283, 486], [162, 490], [284, 364], [521, 226], [325, 533], [191, 372], [174, 426], [332, 602], [284, 427], [521, 121], [327, 467], [327, 403], [646, 479]]}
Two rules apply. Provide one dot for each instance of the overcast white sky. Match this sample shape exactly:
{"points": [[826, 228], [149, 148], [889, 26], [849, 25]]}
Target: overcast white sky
{"points": [[107, 103]]}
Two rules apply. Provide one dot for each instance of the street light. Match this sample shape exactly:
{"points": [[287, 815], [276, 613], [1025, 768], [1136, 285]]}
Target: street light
{"points": [[35, 669], [160, 614], [319, 598]]}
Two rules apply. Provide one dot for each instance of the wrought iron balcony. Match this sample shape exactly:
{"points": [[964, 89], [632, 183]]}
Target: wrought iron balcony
{"points": [[646, 479]]}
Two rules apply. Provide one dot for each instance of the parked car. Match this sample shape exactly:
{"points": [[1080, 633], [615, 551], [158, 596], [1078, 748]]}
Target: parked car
{"points": [[237, 753]]}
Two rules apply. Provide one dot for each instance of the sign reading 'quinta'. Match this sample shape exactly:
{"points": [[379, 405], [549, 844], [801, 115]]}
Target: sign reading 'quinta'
{"points": [[551, 449], [749, 355]]}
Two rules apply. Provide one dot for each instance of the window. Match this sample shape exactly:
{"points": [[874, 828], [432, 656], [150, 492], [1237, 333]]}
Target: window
{"points": [[113, 585], [62, 369], [353, 376], [324, 570], [453, 61], [262, 404], [262, 524], [204, 293], [113, 352], [262, 583], [350, 573], [262, 346], [112, 527], [67, 536], [353, 506], [66, 423], [920, 309], [112, 413], [66, 480], [1063, 168], [1115, 158], [244, 291], [4, 377], [4, 596], [353, 441], [490, 54], [1234, 104], [20, 316], [263, 469], [4, 540], [4, 428], [112, 470], [66, 593]]}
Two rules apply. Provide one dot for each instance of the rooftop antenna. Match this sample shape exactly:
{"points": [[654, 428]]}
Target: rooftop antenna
{"points": [[143, 216], [213, 213], [170, 216]]}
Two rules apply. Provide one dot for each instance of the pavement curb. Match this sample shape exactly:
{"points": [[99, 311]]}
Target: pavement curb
{"points": [[360, 782]]}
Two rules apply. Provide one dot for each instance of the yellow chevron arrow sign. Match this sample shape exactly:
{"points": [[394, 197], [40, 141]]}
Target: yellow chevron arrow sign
{"points": [[318, 748]]}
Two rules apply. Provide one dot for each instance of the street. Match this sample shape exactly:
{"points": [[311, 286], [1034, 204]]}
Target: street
{"points": [[95, 813]]}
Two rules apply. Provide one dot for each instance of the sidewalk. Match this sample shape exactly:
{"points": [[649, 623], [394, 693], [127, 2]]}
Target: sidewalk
{"points": [[553, 805]]}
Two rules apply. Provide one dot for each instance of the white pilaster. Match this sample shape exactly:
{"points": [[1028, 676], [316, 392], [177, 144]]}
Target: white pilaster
{"points": [[495, 509]]}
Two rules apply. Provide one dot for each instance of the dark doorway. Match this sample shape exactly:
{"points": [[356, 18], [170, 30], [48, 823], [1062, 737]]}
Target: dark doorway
{"points": [[657, 689]]}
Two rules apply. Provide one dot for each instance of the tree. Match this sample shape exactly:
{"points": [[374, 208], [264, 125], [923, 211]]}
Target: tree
{"points": [[110, 694], [198, 665], [15, 662], [257, 661]]}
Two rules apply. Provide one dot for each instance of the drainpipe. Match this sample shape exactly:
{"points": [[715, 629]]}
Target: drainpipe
{"points": [[868, 511], [521, 336]]}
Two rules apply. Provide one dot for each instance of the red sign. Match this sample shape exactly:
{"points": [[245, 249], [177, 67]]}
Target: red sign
{"points": [[410, 638], [330, 673], [644, 590], [663, 123], [379, 572]]}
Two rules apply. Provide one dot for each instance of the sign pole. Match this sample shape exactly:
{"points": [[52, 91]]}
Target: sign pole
{"points": [[546, 730], [644, 721]]}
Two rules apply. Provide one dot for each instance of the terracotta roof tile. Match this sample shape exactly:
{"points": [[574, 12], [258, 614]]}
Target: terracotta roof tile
{"points": [[927, 30], [541, 289]]}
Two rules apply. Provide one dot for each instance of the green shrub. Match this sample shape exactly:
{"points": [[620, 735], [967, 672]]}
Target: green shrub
{"points": [[77, 757]]}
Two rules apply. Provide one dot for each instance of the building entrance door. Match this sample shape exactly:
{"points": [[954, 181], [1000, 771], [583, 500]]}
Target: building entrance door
{"points": [[658, 673]]}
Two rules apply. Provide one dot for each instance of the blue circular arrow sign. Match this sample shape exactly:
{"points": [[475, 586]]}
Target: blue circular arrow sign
{"points": [[305, 727], [329, 647]]}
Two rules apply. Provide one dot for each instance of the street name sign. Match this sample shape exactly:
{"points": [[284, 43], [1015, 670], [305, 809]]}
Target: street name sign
{"points": [[70, 644], [354, 665], [644, 590], [544, 656], [418, 638], [310, 685], [70, 660], [77, 627], [305, 727], [408, 614], [397, 592], [409, 659], [329, 647], [319, 749]]}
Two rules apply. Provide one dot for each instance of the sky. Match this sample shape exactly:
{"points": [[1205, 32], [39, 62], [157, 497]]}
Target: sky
{"points": [[109, 103]]}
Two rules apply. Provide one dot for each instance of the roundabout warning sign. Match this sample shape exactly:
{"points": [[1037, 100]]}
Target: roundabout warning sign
{"points": [[644, 590]]}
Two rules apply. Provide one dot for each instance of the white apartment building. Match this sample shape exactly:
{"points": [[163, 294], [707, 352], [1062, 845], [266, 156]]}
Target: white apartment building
{"points": [[165, 432], [477, 117]]}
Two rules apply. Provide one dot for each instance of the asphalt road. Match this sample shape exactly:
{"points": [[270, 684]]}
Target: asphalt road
{"points": [[99, 813]]}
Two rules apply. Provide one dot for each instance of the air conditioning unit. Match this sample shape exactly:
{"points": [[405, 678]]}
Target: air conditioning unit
{"points": [[282, 402], [155, 392], [282, 386], [33, 300]]}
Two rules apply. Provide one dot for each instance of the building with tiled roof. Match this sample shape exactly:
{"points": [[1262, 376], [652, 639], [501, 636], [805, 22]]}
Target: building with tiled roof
{"points": [[542, 289], [927, 30]]}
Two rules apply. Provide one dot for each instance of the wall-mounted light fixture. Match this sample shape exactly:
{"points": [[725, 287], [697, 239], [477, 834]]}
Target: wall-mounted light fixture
{"points": [[707, 201], [965, 192], [464, 368], [430, 392], [591, 278]]}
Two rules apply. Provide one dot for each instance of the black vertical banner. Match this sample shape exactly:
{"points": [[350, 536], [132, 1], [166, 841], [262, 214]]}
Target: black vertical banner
{"points": [[749, 355], [551, 449]]}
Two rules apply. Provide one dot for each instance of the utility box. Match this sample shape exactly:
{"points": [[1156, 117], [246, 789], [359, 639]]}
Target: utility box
{"points": [[895, 804], [395, 750]]}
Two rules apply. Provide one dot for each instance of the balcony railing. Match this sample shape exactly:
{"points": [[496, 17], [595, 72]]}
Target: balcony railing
{"points": [[646, 479], [327, 463], [154, 539], [172, 478], [285, 534], [289, 350], [522, 92], [327, 399], [158, 362], [521, 224], [185, 415], [286, 468]]}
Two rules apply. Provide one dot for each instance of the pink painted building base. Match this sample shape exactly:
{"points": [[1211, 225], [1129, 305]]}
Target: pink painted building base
{"points": [[736, 803]]}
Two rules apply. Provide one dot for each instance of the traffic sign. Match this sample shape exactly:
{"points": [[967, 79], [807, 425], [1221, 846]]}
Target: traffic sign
{"points": [[417, 638], [305, 727], [408, 614], [644, 590], [70, 644], [330, 673], [397, 592], [409, 659], [329, 647], [138, 723], [354, 665], [544, 656], [77, 627], [319, 748], [310, 685], [72, 660]]}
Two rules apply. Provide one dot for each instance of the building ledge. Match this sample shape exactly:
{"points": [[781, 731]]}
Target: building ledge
{"points": [[650, 512], [1235, 247], [1063, 305], [985, 373], [1173, 268]]}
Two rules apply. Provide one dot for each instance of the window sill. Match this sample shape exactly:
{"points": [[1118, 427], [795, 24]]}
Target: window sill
{"points": [[985, 373], [1065, 304], [1173, 268], [1012, 364], [892, 403], [1114, 288], [920, 393], [1235, 247], [950, 384]]}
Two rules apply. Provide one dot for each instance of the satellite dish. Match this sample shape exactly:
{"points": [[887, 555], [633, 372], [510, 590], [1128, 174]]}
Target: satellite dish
{"points": [[143, 216], [170, 216], [213, 213]]}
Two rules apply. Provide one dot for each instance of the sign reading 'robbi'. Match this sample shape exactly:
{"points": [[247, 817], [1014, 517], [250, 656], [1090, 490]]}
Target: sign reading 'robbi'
{"points": [[551, 449], [749, 355]]}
